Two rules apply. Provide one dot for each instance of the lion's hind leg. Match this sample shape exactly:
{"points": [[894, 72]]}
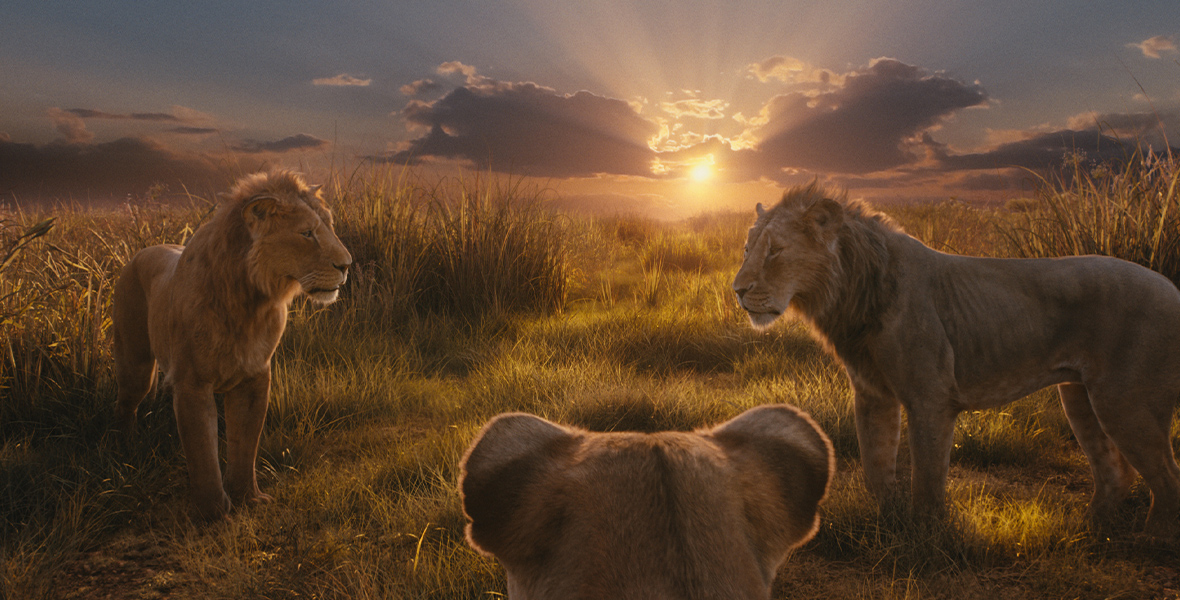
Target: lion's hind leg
{"points": [[1139, 423], [1113, 475], [135, 366]]}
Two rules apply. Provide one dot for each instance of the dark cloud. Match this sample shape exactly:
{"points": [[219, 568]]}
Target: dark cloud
{"points": [[1045, 150], [422, 87], [88, 113], [192, 130], [100, 171], [1153, 129], [1120, 123], [301, 141], [873, 121], [530, 130]]}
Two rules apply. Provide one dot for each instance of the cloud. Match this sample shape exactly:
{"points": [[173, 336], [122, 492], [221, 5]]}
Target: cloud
{"points": [[528, 129], [114, 169], [421, 87], [1042, 150], [792, 70], [696, 108], [301, 141], [184, 130], [468, 71], [1151, 127], [877, 121], [1152, 47], [342, 80], [872, 121], [88, 113], [70, 126], [868, 120]]}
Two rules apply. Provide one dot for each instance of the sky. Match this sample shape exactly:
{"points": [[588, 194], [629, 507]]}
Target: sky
{"points": [[619, 105]]}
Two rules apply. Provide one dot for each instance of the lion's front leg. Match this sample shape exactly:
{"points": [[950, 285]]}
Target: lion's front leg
{"points": [[245, 414], [196, 422], [878, 433]]}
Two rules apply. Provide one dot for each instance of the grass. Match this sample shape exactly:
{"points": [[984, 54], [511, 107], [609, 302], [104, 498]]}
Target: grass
{"points": [[1130, 211], [469, 298]]}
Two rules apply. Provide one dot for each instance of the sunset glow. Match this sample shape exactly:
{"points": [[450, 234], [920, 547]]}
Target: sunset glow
{"points": [[608, 91], [701, 173]]}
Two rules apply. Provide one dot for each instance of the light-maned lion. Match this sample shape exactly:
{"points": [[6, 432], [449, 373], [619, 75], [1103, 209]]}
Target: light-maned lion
{"points": [[939, 334], [211, 313], [574, 515]]}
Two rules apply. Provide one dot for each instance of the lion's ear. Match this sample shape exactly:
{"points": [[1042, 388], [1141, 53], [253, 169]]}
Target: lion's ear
{"points": [[511, 452], [259, 208], [314, 189], [760, 209], [782, 449]]}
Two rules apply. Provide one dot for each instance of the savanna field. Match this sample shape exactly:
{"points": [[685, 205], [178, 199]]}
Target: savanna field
{"points": [[470, 297]]}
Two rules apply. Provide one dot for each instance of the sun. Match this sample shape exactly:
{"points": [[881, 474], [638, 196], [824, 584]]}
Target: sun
{"points": [[701, 173]]}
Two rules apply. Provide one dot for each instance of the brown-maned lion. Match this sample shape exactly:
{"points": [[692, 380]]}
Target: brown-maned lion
{"points": [[211, 313], [939, 334], [574, 515]]}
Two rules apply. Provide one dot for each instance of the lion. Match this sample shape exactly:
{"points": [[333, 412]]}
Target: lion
{"points": [[210, 315], [709, 514], [939, 334]]}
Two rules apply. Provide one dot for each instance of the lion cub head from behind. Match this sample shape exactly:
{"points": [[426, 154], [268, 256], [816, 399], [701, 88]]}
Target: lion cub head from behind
{"points": [[709, 514], [294, 247]]}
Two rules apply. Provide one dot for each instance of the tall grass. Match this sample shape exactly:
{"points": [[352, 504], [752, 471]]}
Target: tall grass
{"points": [[458, 247], [1130, 211]]}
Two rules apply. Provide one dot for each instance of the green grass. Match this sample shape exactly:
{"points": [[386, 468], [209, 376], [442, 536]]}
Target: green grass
{"points": [[470, 298]]}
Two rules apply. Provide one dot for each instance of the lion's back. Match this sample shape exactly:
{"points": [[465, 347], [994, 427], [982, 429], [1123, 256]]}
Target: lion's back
{"points": [[1040, 321]]}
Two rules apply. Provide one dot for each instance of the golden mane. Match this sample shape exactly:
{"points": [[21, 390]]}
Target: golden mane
{"points": [[228, 235]]}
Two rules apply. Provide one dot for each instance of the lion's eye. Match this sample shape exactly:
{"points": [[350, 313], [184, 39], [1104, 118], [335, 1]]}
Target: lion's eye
{"points": [[310, 233], [774, 252]]}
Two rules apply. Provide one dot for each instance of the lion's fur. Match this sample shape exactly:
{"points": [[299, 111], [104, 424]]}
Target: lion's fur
{"points": [[939, 334], [211, 313], [709, 514]]}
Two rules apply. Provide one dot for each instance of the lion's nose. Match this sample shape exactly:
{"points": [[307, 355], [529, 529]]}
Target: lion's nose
{"points": [[740, 291], [343, 265]]}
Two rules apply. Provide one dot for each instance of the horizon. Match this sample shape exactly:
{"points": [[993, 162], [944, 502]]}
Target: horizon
{"points": [[688, 107]]}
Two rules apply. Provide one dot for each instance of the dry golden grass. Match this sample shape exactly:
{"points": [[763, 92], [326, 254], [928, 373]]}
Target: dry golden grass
{"points": [[624, 324]]}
